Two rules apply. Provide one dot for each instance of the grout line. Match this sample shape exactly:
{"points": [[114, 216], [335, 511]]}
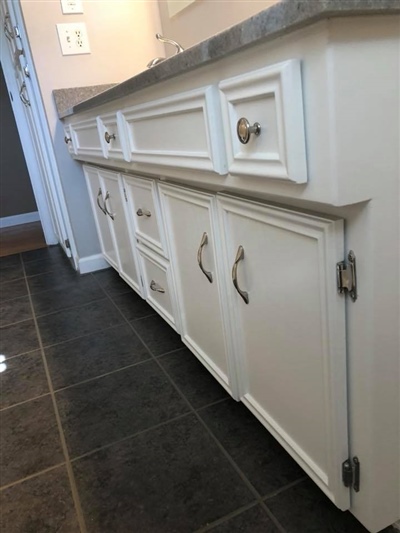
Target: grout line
{"points": [[142, 317], [128, 437], [74, 490], [170, 352], [227, 517], [13, 324], [273, 518], [284, 488], [69, 308], [73, 339], [27, 478], [197, 409], [103, 375], [23, 402], [9, 357]]}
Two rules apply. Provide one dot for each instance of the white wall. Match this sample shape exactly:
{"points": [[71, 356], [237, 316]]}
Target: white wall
{"points": [[122, 40], [204, 18]]}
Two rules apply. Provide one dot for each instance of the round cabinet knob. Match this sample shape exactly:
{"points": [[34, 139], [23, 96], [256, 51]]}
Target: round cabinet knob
{"points": [[244, 130], [108, 137], [67, 139]]}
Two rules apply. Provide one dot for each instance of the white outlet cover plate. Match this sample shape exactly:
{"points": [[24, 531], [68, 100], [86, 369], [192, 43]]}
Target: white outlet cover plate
{"points": [[73, 38], [69, 7]]}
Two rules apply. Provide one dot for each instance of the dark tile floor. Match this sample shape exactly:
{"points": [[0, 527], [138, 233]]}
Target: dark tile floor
{"points": [[109, 424]]}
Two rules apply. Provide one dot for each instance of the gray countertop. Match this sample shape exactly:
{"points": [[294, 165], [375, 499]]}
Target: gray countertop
{"points": [[279, 19]]}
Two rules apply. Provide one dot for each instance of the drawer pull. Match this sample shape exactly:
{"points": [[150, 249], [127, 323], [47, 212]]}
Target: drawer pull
{"points": [[244, 130], [156, 287], [100, 194], [239, 257], [203, 242], [111, 215], [143, 212], [108, 137], [67, 139]]}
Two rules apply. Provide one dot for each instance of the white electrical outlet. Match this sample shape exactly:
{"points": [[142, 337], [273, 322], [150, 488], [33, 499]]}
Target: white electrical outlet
{"points": [[73, 38], [69, 7]]}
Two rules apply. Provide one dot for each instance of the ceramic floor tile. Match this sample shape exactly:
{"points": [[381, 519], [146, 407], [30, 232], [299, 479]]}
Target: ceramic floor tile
{"points": [[70, 323], [24, 378], [13, 289], [10, 261], [133, 306], [157, 335], [111, 282], [57, 280], [305, 509], [42, 504], [260, 457], [29, 439], [170, 479], [15, 310], [18, 338], [110, 408], [192, 378], [50, 253], [11, 273], [94, 355], [254, 520], [42, 266], [76, 294]]}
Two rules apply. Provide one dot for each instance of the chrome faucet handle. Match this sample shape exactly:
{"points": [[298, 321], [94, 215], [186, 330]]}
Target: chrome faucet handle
{"points": [[162, 39]]}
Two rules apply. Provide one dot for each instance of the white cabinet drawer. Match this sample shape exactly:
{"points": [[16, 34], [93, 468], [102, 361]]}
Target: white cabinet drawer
{"points": [[177, 131], [157, 284], [271, 97], [145, 212], [85, 138], [110, 136]]}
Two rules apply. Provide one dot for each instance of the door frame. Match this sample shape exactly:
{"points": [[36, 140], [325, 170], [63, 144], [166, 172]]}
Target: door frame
{"points": [[40, 157]]}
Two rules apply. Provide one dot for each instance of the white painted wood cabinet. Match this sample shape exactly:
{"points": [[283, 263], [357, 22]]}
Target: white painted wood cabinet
{"points": [[319, 370], [288, 328], [193, 239]]}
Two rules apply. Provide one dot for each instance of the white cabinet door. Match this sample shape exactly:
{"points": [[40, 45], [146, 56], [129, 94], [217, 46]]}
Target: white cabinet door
{"points": [[115, 209], [289, 327], [97, 195], [190, 229]]}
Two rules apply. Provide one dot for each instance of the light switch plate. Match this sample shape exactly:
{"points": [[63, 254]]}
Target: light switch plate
{"points": [[73, 38], [69, 7]]}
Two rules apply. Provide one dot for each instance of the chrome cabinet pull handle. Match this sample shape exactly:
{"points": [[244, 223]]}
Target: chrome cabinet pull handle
{"points": [[156, 287], [143, 212], [111, 215], [239, 257], [99, 194], [23, 98], [67, 139], [244, 130], [203, 242], [108, 137]]}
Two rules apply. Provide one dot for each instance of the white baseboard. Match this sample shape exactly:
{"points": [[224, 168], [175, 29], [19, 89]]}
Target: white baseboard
{"points": [[16, 220], [92, 263]]}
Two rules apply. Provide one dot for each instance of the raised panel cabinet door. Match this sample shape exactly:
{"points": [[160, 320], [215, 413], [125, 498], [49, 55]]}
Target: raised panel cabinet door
{"points": [[190, 228], [289, 327], [97, 195], [115, 209]]}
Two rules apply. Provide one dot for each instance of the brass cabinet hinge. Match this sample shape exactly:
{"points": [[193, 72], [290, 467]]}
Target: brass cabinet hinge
{"points": [[126, 198], [67, 244], [351, 473], [346, 276]]}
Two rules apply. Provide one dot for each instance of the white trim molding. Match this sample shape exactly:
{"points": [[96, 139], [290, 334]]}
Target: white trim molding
{"points": [[92, 263], [16, 220]]}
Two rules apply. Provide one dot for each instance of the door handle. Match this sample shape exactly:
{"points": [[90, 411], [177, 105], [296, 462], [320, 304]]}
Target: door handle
{"points": [[156, 287], [111, 215], [99, 194], [203, 242], [239, 257], [143, 212]]}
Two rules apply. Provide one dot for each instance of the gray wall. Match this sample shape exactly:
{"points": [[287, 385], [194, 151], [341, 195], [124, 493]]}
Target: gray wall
{"points": [[16, 195]]}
